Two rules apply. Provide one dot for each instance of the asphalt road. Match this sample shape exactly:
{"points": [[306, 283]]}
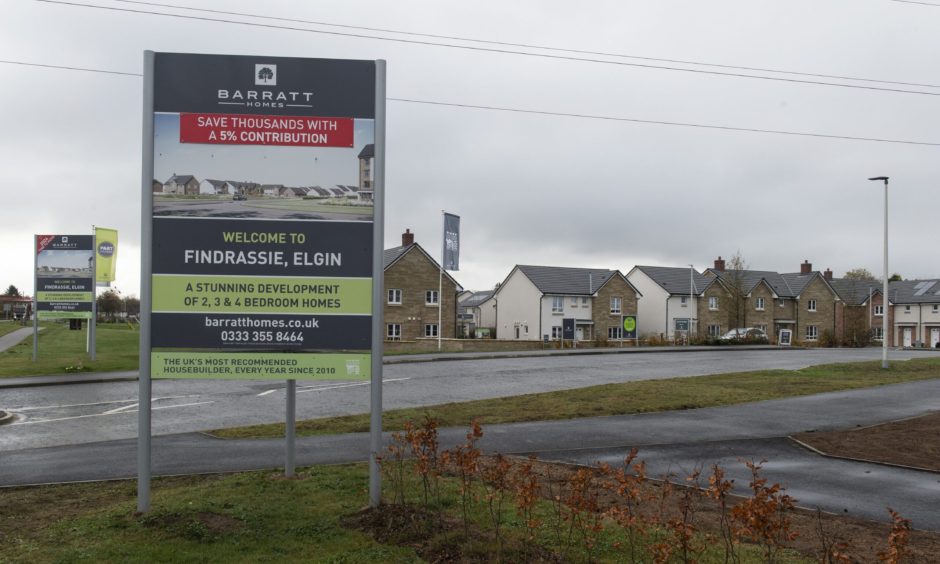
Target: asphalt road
{"points": [[250, 209], [670, 442], [85, 413]]}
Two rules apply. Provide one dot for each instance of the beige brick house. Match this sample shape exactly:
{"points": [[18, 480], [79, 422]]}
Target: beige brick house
{"points": [[412, 297], [803, 303]]}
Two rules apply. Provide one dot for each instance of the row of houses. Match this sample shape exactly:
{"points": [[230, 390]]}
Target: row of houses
{"points": [[189, 185], [671, 303]]}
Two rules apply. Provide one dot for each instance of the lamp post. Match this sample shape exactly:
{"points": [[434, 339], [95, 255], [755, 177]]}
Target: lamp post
{"points": [[691, 286], [884, 297]]}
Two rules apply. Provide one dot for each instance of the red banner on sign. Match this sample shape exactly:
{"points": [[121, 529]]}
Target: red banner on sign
{"points": [[236, 129], [42, 241]]}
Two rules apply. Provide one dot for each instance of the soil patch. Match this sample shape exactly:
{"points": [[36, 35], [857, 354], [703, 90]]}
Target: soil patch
{"points": [[445, 541], [911, 442]]}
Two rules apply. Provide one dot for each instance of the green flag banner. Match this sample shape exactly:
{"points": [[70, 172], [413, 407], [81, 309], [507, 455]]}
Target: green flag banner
{"points": [[106, 241]]}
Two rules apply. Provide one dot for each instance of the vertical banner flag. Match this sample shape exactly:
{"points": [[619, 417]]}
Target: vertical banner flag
{"points": [[65, 283], [451, 242], [262, 226], [106, 241]]}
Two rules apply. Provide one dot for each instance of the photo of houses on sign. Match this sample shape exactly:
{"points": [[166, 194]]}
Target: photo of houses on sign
{"points": [[64, 264], [200, 179]]}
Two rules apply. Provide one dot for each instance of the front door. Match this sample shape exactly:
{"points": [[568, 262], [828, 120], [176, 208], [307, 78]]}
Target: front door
{"points": [[934, 337], [908, 336], [580, 333]]}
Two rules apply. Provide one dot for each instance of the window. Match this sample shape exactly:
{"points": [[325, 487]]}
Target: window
{"points": [[936, 308], [714, 330], [759, 304], [574, 302], [430, 297], [393, 332], [614, 304], [879, 310], [615, 333], [812, 333], [584, 302], [781, 302], [556, 331], [762, 327], [430, 330], [811, 306], [878, 333], [558, 304], [713, 302], [394, 296], [684, 301], [907, 309]]}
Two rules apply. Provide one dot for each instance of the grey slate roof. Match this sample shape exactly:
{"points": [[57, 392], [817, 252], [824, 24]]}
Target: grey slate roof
{"points": [[914, 291], [675, 280], [367, 152], [855, 292], [477, 298], [322, 191], [216, 183], [181, 178], [391, 255], [564, 280]]}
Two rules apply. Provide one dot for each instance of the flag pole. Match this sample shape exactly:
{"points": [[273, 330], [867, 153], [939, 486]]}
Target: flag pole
{"points": [[440, 283]]}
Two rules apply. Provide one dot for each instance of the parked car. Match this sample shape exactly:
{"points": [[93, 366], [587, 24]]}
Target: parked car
{"points": [[744, 334], [239, 196]]}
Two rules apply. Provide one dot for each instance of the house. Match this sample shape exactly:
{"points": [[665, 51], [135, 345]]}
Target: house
{"points": [[669, 305], [157, 186], [183, 184], [209, 186], [803, 303], [533, 301], [416, 295], [319, 193], [916, 313], [366, 172], [16, 307], [860, 311], [476, 313], [271, 190]]}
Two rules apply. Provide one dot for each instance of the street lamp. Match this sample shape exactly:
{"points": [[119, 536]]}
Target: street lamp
{"points": [[884, 297]]}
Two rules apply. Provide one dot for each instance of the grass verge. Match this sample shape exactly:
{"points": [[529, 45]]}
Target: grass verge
{"points": [[62, 350], [621, 399], [316, 517], [9, 326]]}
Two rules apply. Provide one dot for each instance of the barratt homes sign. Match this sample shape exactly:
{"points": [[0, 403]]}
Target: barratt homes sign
{"points": [[261, 250], [65, 279]]}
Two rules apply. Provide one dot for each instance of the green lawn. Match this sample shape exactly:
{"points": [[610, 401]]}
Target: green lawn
{"points": [[9, 326], [60, 349], [262, 517], [619, 399]]}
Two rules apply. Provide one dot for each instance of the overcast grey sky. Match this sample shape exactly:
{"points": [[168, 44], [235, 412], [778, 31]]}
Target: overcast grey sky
{"points": [[531, 189]]}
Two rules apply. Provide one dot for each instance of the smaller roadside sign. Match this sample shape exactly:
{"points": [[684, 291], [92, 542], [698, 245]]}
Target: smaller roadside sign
{"points": [[629, 327], [567, 329]]}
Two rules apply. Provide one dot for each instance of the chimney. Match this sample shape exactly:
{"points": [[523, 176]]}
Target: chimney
{"points": [[407, 238], [806, 267], [827, 274], [720, 264]]}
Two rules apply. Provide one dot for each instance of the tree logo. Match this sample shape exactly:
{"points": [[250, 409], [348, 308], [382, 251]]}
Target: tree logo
{"points": [[266, 75]]}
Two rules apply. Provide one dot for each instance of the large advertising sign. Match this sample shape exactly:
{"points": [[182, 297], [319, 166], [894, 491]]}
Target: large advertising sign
{"points": [[262, 224], [65, 283]]}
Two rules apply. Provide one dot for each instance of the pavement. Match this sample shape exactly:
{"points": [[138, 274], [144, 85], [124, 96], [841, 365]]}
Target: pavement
{"points": [[671, 442], [14, 338]]}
